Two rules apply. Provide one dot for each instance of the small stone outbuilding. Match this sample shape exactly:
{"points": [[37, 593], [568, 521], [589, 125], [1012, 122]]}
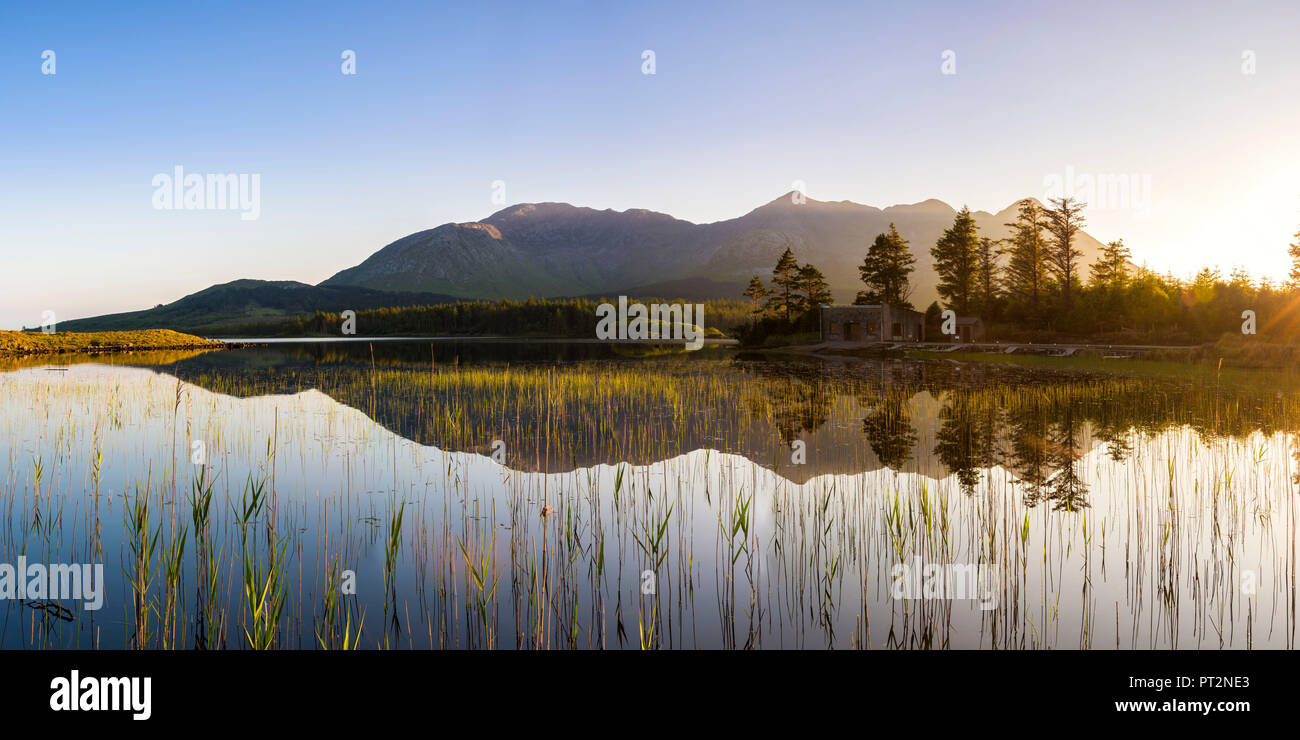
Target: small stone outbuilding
{"points": [[871, 323]]}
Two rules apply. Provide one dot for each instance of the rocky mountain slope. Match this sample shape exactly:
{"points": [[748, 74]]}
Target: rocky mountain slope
{"points": [[555, 249]]}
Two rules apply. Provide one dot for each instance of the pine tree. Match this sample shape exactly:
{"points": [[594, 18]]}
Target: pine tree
{"points": [[1205, 285], [1110, 280], [1063, 223], [988, 282], [885, 270], [1111, 271], [956, 257], [756, 293], [1026, 273], [785, 286], [1294, 251], [812, 287], [933, 313]]}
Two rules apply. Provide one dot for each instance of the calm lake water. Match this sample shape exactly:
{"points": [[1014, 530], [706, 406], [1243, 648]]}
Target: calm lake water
{"points": [[501, 495]]}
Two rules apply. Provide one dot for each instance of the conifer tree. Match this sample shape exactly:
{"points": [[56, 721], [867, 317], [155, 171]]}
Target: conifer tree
{"points": [[813, 290], [988, 283], [885, 270], [756, 293], [1294, 251], [956, 257], [1026, 271], [784, 300], [1063, 222], [1111, 270]]}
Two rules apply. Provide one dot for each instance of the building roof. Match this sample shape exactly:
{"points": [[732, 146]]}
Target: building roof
{"points": [[874, 306]]}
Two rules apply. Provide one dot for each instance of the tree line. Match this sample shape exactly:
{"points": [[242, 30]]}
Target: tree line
{"points": [[538, 317], [1030, 286]]}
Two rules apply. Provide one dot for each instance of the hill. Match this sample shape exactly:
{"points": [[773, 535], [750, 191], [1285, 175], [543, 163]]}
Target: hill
{"points": [[241, 305]]}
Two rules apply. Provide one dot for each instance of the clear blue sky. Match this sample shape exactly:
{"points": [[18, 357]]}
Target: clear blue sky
{"points": [[549, 97]]}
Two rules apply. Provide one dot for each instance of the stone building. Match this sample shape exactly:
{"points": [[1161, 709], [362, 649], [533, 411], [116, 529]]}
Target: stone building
{"points": [[875, 323], [970, 329]]}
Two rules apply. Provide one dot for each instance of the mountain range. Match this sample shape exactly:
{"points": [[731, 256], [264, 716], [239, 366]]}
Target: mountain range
{"points": [[554, 249], [557, 250]]}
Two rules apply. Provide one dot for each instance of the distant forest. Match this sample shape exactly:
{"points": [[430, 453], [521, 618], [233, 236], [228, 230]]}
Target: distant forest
{"points": [[539, 317], [1029, 287]]}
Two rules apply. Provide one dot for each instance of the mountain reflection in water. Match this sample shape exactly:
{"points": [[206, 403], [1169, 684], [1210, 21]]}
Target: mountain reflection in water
{"points": [[766, 501]]}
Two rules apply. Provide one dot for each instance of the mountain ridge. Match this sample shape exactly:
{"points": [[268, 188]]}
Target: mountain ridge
{"points": [[556, 249], [553, 248]]}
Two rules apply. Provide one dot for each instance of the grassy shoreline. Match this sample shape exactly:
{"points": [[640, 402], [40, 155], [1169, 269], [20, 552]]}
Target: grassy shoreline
{"points": [[18, 343]]}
